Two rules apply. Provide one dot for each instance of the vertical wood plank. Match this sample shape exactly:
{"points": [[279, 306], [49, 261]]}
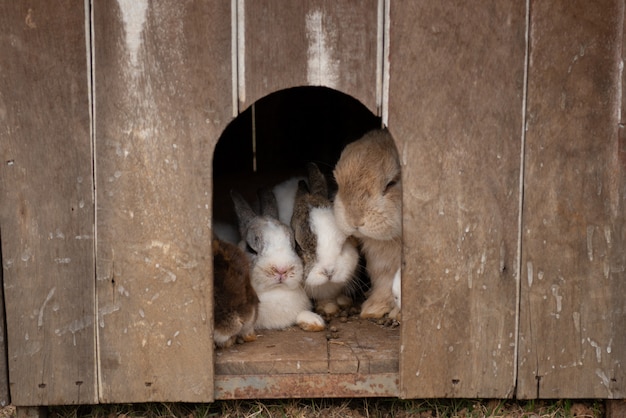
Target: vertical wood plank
{"points": [[572, 334], [455, 110], [163, 97], [46, 195], [326, 43]]}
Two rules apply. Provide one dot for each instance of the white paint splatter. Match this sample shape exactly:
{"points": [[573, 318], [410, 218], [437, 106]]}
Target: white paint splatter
{"points": [[134, 16], [598, 349], [238, 59], [483, 263], [322, 67], [43, 306], [65, 260], [590, 230], [529, 267], [170, 276], [27, 254], [74, 327], [606, 382], [559, 300], [607, 235], [106, 310], [576, 318], [122, 291]]}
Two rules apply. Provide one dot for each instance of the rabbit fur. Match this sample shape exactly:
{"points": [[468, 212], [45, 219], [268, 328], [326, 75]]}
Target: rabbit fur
{"points": [[368, 205], [328, 255], [276, 270], [235, 301]]}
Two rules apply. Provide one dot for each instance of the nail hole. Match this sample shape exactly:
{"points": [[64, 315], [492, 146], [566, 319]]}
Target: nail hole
{"points": [[148, 384], [455, 381], [42, 385]]}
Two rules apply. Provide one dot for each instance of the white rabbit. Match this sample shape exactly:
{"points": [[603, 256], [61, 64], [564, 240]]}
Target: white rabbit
{"points": [[329, 256], [368, 205], [276, 271]]}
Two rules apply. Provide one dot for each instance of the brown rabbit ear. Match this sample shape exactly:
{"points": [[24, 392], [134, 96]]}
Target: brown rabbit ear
{"points": [[317, 181], [267, 200], [300, 206], [304, 201]]}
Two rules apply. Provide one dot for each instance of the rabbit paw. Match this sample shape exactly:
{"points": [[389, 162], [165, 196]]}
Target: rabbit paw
{"points": [[249, 337], [376, 307], [395, 314], [327, 307], [310, 321], [344, 301], [225, 342]]}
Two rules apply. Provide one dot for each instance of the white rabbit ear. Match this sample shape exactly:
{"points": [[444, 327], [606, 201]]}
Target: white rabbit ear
{"points": [[269, 207], [317, 180], [244, 212]]}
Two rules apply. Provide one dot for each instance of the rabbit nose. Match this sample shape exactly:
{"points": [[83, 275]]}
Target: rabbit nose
{"points": [[329, 273], [281, 273]]}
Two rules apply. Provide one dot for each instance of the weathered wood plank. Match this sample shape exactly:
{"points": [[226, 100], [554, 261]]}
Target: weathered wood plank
{"points": [[46, 214], [163, 97], [276, 352], [362, 347], [572, 335], [329, 43], [455, 110], [356, 346]]}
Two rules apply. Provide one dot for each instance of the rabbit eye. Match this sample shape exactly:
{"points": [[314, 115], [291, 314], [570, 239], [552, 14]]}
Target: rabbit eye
{"points": [[391, 184], [250, 249]]}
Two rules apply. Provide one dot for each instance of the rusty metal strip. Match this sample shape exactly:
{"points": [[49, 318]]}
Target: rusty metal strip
{"points": [[309, 386]]}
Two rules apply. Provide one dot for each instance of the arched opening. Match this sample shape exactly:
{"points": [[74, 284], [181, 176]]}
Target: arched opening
{"points": [[279, 134], [269, 142]]}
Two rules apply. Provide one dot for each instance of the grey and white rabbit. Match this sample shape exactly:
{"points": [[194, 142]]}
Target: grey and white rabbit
{"points": [[329, 256], [368, 205], [235, 301], [276, 270]]}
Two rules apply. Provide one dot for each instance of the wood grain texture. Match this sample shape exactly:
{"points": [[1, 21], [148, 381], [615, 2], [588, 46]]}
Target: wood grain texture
{"points": [[572, 335], [309, 43], [46, 203], [163, 97], [356, 346], [455, 111]]}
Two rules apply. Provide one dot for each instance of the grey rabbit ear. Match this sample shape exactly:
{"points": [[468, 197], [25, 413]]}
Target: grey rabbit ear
{"points": [[317, 181], [269, 206], [244, 212]]}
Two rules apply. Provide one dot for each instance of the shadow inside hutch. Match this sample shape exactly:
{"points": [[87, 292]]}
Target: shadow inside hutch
{"points": [[266, 144]]}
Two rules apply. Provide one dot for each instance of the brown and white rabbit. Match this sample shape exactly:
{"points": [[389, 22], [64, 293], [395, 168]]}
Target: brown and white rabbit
{"points": [[329, 256], [235, 301], [368, 205], [276, 270]]}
